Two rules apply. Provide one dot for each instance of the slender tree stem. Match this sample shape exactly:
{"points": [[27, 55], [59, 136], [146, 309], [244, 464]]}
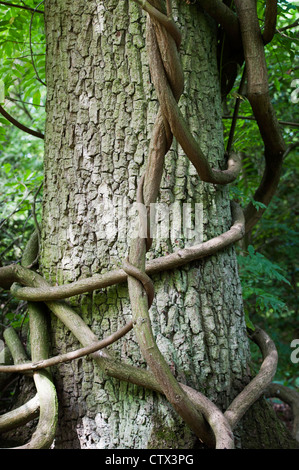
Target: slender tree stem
{"points": [[23, 7], [20, 125]]}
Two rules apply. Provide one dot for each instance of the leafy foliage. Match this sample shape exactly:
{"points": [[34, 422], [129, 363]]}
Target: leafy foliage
{"points": [[261, 281], [22, 95]]}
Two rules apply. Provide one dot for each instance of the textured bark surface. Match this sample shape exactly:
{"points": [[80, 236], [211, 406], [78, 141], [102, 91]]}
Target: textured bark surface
{"points": [[261, 429], [101, 107]]}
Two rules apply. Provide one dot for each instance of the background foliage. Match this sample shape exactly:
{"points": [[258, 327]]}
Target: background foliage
{"points": [[268, 258]]}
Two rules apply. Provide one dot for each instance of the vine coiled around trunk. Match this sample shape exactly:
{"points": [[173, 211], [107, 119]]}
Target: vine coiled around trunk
{"points": [[211, 425]]}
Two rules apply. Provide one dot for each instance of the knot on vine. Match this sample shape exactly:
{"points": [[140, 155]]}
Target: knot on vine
{"points": [[143, 278], [167, 76]]}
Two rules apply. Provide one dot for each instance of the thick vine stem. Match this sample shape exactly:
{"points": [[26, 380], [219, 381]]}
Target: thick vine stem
{"points": [[178, 126], [270, 21], [144, 279], [20, 416], [151, 353], [259, 383], [259, 98], [140, 306], [13, 275], [219, 434], [224, 438], [5, 360], [70, 356], [120, 370], [165, 20], [31, 248], [155, 360], [141, 377], [225, 17], [19, 125], [30, 410], [162, 136], [44, 434]]}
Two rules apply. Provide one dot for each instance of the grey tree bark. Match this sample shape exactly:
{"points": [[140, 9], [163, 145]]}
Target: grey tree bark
{"points": [[101, 107]]}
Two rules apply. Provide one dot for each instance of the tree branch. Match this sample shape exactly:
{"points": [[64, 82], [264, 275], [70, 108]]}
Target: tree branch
{"points": [[258, 96], [270, 21], [20, 416], [258, 385], [226, 18], [180, 130], [16, 274], [165, 20], [19, 125], [23, 7], [44, 434], [290, 26]]}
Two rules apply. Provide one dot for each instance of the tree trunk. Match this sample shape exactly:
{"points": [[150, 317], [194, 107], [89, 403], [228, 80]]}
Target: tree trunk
{"points": [[101, 107]]}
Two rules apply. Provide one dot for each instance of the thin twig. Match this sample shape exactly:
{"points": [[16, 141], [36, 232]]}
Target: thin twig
{"points": [[14, 100], [290, 26], [252, 118], [20, 125], [259, 98], [23, 7]]}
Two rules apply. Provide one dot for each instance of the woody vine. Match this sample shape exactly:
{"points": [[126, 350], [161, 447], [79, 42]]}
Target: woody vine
{"points": [[212, 426]]}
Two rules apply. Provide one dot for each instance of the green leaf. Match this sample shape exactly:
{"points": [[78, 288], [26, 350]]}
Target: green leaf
{"points": [[36, 97], [248, 322]]}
